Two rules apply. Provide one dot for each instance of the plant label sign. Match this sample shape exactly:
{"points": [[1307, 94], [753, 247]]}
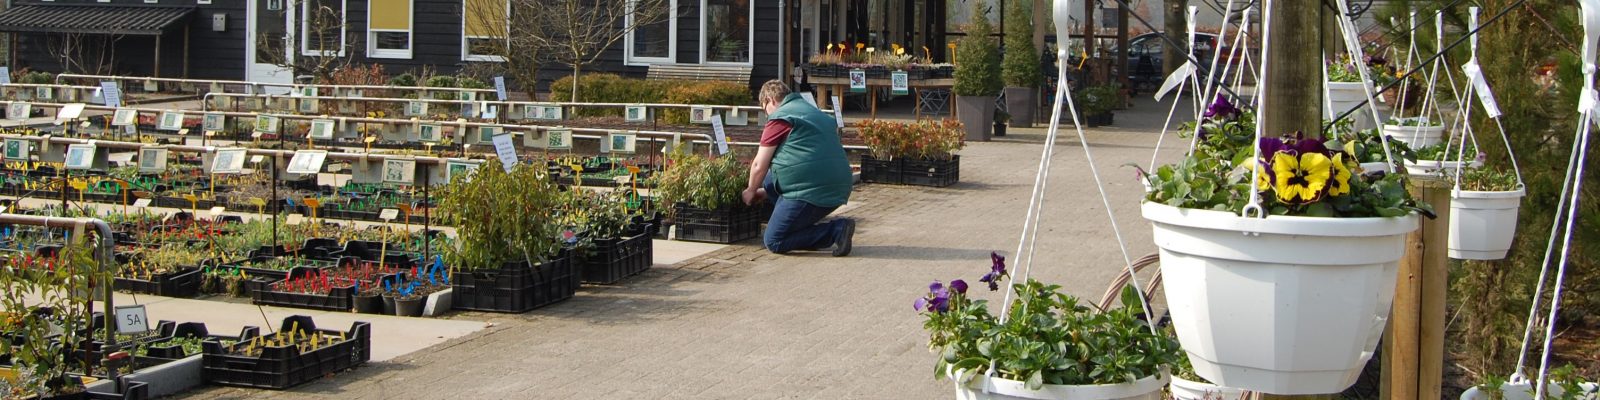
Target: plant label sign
{"points": [[554, 139], [307, 162], [505, 151], [551, 113], [70, 112], [620, 142], [44, 93], [152, 159], [18, 111], [399, 171], [429, 132], [489, 111], [111, 94], [900, 83], [228, 161], [170, 121], [389, 214], [719, 134], [124, 117], [5, 75], [217, 211], [80, 156], [321, 129], [416, 109], [858, 81], [838, 110], [810, 98], [459, 167], [487, 133], [700, 114], [638, 114], [141, 203], [132, 319], [214, 122], [500, 87], [267, 124], [16, 149]]}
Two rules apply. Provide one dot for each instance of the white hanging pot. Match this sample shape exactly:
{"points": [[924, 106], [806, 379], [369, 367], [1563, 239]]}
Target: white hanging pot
{"points": [[1483, 223], [1348, 92], [1415, 136], [1424, 167], [1184, 389], [995, 388], [1524, 391], [1284, 305], [1377, 166]]}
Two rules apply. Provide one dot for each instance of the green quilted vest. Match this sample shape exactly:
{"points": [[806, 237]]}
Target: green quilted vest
{"points": [[811, 165]]}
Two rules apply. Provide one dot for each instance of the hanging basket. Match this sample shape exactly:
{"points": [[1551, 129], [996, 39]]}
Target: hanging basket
{"points": [[1184, 389], [1482, 224], [994, 388], [1415, 136], [1284, 305], [1425, 167], [1524, 391]]}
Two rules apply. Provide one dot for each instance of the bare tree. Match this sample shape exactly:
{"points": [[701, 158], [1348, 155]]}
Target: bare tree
{"points": [[84, 53], [521, 56], [577, 32], [328, 40]]}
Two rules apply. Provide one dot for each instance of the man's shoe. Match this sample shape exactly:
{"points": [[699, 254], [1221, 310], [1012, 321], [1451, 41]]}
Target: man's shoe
{"points": [[842, 244]]}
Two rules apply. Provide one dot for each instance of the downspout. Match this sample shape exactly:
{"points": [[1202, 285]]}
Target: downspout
{"points": [[783, 67]]}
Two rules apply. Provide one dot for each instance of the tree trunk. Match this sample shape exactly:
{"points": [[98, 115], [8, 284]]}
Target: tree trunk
{"points": [[575, 68], [1294, 70], [1178, 29]]}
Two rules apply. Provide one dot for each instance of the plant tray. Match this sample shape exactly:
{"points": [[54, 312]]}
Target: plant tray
{"points": [[915, 172], [181, 283], [874, 170], [730, 224], [337, 299], [284, 367], [160, 349], [613, 259], [516, 287]]}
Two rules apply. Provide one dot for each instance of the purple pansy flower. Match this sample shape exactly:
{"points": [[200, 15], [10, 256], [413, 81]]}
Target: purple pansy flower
{"points": [[1307, 146], [997, 271], [1221, 108], [939, 299], [959, 286], [1270, 146]]}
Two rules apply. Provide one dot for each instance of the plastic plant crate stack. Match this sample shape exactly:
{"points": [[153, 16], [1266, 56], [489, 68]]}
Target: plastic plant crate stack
{"points": [[915, 172], [181, 283], [515, 287], [874, 170], [729, 224], [280, 367], [613, 259]]}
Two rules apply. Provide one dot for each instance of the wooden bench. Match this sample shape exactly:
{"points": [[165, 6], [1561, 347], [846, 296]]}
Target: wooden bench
{"points": [[739, 74]]}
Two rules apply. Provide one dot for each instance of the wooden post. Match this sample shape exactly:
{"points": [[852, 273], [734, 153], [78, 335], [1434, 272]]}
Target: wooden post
{"points": [[1413, 345], [1088, 40], [1122, 49]]}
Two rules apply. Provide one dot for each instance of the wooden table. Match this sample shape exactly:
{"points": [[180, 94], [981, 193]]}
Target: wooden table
{"points": [[831, 85]]}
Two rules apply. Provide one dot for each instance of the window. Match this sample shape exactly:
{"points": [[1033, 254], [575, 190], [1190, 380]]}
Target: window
{"points": [[655, 39], [322, 28], [725, 31], [389, 29], [485, 27]]}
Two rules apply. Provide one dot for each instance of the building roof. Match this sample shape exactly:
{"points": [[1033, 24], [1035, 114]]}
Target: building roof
{"points": [[92, 19]]}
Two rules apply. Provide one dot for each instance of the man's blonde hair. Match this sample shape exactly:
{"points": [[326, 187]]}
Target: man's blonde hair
{"points": [[775, 90]]}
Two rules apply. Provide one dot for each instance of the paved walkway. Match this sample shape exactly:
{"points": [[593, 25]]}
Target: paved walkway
{"points": [[742, 323]]}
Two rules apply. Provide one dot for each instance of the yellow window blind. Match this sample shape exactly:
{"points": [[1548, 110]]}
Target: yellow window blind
{"points": [[486, 18], [391, 15]]}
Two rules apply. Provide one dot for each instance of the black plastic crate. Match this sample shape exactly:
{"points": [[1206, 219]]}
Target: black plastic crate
{"points": [[163, 350], [874, 170], [729, 224], [515, 287], [284, 367], [613, 259], [184, 282], [337, 299], [935, 173]]}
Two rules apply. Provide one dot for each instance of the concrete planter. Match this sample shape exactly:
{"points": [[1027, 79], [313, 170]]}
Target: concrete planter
{"points": [[1020, 103], [977, 115], [438, 303]]}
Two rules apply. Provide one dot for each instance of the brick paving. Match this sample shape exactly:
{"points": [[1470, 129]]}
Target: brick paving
{"points": [[742, 323]]}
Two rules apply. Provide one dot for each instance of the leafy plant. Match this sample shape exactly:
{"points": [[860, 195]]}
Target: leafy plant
{"points": [[1048, 338], [1367, 146], [1020, 67], [924, 139], [1448, 151], [1487, 180], [51, 316], [1412, 121], [500, 216], [406, 79], [977, 59], [1294, 175], [705, 183], [1342, 70], [1098, 100]]}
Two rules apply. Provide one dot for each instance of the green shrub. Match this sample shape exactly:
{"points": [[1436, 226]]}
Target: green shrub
{"points": [[1021, 65], [406, 79], [442, 81], [706, 183], [491, 211], [470, 83], [610, 88], [977, 60], [703, 92], [36, 78]]}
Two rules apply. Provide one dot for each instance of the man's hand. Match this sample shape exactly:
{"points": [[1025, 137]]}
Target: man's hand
{"points": [[753, 196]]}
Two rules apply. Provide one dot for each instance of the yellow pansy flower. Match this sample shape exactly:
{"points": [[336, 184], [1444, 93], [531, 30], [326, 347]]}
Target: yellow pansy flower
{"points": [[1300, 180]]}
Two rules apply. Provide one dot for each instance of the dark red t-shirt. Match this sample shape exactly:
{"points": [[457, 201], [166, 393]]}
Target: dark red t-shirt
{"points": [[775, 133]]}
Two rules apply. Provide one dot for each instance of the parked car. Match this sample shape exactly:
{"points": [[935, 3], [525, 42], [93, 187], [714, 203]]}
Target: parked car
{"points": [[1145, 57]]}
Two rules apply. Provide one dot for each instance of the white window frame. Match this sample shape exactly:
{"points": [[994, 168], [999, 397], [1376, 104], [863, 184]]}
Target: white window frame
{"points": [[344, 37], [466, 51], [750, 45], [672, 38], [411, 35]]}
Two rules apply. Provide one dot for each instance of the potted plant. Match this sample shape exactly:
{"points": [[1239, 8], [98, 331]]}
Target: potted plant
{"points": [[1049, 347], [1483, 214], [1345, 87], [1096, 104], [704, 194], [977, 76], [1564, 383], [599, 227], [1367, 148], [1020, 67], [1445, 156], [1313, 229], [506, 240], [1001, 118], [1415, 131], [915, 153], [47, 317]]}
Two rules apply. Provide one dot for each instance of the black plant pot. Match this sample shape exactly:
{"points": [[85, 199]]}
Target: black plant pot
{"points": [[409, 307], [999, 128], [389, 305], [369, 304]]}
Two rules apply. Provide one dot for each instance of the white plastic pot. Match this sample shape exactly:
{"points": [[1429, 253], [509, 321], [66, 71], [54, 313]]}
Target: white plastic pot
{"points": [[981, 388], [1283, 305], [1415, 136], [1483, 223], [1524, 391], [1184, 389], [1377, 166], [1343, 96], [1425, 167]]}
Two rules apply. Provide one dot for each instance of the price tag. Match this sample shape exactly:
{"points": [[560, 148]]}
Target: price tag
{"points": [[141, 203], [719, 134], [838, 110], [70, 112], [307, 162], [505, 151], [388, 214], [132, 319], [295, 219], [500, 87]]}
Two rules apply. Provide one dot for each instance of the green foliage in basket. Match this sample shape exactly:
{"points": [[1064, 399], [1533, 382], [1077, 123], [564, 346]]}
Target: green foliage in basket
{"points": [[1367, 146], [1487, 180], [1448, 151], [590, 215], [706, 183], [501, 216]]}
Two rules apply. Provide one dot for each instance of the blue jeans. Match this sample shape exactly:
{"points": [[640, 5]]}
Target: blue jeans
{"points": [[794, 226]]}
